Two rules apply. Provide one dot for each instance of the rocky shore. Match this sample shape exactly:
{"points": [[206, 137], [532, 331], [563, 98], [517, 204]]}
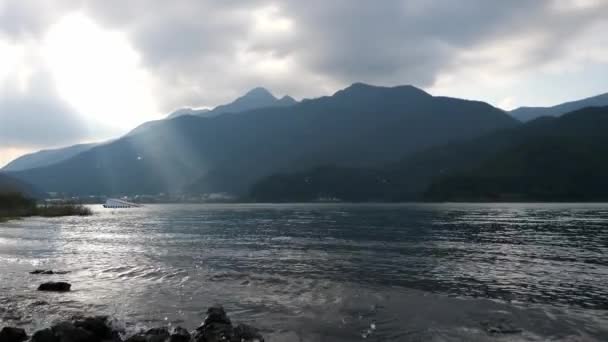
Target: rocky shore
{"points": [[215, 328]]}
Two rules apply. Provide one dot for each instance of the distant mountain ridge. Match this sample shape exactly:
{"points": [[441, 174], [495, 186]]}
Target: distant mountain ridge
{"points": [[557, 159], [525, 114], [10, 184], [258, 97], [547, 159], [254, 99], [46, 157], [187, 111], [361, 125]]}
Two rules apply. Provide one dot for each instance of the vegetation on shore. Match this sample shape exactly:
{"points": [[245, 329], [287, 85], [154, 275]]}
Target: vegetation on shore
{"points": [[548, 159], [15, 205]]}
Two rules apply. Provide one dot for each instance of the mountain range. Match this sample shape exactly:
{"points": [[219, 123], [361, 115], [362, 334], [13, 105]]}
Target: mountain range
{"points": [[359, 126], [547, 159], [255, 98], [45, 157], [362, 143], [525, 114], [10, 184]]}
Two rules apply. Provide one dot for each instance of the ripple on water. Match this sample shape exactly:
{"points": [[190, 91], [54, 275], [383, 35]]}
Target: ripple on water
{"points": [[323, 272]]}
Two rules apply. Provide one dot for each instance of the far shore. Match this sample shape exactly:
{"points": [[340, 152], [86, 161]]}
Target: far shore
{"points": [[15, 206]]}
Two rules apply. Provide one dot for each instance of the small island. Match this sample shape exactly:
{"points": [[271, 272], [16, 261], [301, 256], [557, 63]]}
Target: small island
{"points": [[15, 205]]}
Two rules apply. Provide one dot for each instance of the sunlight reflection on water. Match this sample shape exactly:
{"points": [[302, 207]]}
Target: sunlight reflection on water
{"points": [[322, 272]]}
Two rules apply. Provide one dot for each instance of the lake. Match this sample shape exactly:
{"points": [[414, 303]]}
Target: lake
{"points": [[322, 272]]}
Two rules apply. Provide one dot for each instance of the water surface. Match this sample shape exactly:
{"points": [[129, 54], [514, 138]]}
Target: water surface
{"points": [[323, 272]]}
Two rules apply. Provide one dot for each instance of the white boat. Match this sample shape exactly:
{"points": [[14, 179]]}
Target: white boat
{"points": [[117, 203]]}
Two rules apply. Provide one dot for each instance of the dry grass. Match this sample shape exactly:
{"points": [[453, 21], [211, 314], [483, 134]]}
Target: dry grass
{"points": [[66, 209], [16, 205]]}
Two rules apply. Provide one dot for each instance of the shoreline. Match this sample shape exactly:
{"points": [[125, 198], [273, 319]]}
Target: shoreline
{"points": [[216, 326]]}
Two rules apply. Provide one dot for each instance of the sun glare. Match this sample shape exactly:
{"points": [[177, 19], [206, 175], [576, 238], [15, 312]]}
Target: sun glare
{"points": [[99, 73], [268, 20]]}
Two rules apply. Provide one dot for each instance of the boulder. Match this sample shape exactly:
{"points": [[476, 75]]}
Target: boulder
{"points": [[179, 334], [92, 329], [44, 335], [137, 338], [152, 335], [9, 334], [247, 333], [59, 286], [501, 328], [46, 272], [97, 326], [157, 335], [68, 332], [216, 314], [216, 327], [42, 272]]}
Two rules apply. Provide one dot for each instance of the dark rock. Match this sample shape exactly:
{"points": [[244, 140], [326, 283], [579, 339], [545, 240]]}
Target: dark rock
{"points": [[137, 338], [216, 327], [9, 334], [97, 326], [179, 334], [157, 335], [47, 272], [152, 335], [42, 272], [55, 286], [216, 315], [68, 332], [214, 332], [39, 303], [247, 333], [501, 328], [44, 335]]}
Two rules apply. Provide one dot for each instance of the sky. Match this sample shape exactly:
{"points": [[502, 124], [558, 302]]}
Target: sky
{"points": [[75, 71]]}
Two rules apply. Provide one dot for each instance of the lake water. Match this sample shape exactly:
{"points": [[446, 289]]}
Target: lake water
{"points": [[323, 272]]}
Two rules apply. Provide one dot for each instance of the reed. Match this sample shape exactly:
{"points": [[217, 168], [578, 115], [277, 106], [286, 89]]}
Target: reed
{"points": [[15, 205]]}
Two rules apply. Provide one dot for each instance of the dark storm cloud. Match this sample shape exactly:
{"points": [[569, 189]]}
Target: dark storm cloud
{"points": [[345, 40], [36, 117], [23, 18], [339, 41], [203, 53], [413, 41]]}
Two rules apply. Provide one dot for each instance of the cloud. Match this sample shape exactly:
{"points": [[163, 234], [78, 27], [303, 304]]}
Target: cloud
{"points": [[204, 53], [35, 116], [210, 51]]}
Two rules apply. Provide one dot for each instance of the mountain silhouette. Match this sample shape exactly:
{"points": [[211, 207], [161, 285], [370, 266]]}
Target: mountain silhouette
{"points": [[359, 126], [547, 159], [256, 98], [529, 113], [45, 157], [10, 184]]}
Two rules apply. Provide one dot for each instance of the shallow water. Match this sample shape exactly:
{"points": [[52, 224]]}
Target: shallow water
{"points": [[322, 272]]}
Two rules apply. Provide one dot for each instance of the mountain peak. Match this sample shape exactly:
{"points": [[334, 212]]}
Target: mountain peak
{"points": [[525, 114], [186, 111], [255, 98], [287, 100], [358, 88], [361, 85], [259, 92]]}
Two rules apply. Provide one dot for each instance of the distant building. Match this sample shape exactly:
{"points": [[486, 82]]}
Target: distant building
{"points": [[117, 203]]}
